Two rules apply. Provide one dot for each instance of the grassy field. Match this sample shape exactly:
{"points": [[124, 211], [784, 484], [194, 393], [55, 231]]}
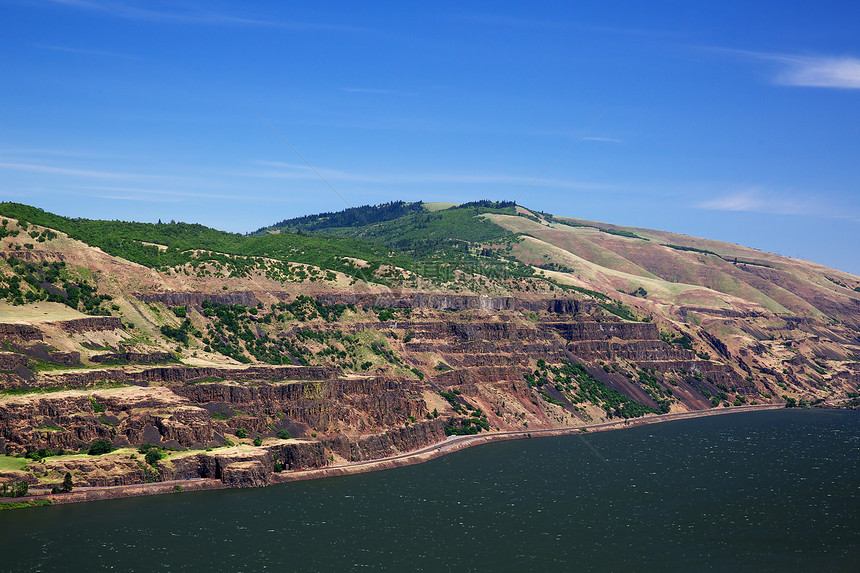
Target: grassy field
{"points": [[37, 312], [439, 206], [9, 463]]}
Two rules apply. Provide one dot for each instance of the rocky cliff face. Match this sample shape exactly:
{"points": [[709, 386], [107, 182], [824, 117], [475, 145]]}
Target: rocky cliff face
{"points": [[137, 357], [363, 404], [456, 362], [71, 421], [451, 302], [19, 332], [10, 361], [398, 369], [196, 298], [242, 466], [391, 443], [180, 374], [89, 324], [201, 415]]}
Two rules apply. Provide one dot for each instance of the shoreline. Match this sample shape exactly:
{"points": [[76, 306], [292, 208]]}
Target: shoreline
{"points": [[450, 445]]}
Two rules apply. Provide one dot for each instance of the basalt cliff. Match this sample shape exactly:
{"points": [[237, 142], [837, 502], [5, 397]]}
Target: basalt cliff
{"points": [[136, 353]]}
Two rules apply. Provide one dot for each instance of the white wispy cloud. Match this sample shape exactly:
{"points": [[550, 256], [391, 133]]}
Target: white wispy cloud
{"points": [[91, 180], [416, 124], [376, 91], [42, 152], [73, 172], [809, 71], [120, 184], [167, 195], [139, 197], [188, 14], [495, 19], [821, 72], [282, 170], [760, 199], [603, 139], [85, 52]]}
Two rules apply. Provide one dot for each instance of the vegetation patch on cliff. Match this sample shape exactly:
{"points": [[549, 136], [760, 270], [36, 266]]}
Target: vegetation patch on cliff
{"points": [[27, 282], [578, 385]]}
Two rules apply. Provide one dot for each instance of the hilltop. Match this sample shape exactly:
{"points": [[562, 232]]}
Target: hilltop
{"points": [[332, 340]]}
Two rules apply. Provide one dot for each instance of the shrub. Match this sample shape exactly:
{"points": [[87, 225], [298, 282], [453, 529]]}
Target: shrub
{"points": [[179, 334], [241, 433], [283, 434], [40, 454], [152, 456], [258, 441], [19, 489], [100, 447]]}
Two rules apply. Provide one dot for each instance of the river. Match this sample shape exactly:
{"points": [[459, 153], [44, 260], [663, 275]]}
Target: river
{"points": [[758, 491]]}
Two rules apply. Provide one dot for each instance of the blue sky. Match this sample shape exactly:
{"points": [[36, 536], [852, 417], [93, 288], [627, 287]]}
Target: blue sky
{"points": [[732, 121]]}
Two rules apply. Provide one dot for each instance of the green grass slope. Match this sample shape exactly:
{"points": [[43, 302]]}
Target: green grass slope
{"points": [[503, 243], [139, 242]]}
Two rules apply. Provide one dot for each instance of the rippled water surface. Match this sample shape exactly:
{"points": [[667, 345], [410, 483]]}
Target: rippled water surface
{"points": [[765, 491]]}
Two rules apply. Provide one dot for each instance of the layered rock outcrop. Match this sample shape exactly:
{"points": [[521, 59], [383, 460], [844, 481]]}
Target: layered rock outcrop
{"points": [[181, 374], [391, 443], [22, 332], [88, 324], [195, 299], [480, 352], [12, 360], [133, 357], [450, 302]]}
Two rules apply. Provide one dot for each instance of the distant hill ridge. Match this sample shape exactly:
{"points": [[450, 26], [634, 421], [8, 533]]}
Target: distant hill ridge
{"points": [[351, 217]]}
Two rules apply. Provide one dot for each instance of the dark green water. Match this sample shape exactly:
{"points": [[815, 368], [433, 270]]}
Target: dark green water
{"points": [[766, 491]]}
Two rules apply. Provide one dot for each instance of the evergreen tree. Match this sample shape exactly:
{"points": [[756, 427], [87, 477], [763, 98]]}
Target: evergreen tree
{"points": [[67, 482]]}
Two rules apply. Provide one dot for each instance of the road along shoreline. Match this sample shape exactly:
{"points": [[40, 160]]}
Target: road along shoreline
{"points": [[450, 445]]}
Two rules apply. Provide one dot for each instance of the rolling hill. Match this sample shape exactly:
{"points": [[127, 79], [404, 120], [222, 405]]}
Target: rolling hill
{"points": [[331, 340]]}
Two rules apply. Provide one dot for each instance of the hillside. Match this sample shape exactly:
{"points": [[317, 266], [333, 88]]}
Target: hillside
{"points": [[332, 340], [351, 217]]}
